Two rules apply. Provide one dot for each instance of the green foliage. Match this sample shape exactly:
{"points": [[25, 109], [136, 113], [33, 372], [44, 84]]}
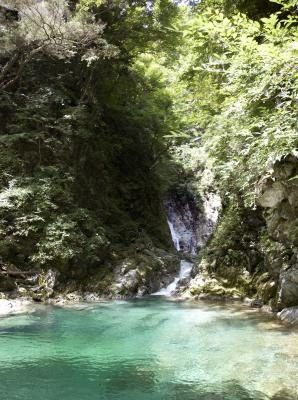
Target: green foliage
{"points": [[65, 242], [105, 104], [240, 82], [81, 137]]}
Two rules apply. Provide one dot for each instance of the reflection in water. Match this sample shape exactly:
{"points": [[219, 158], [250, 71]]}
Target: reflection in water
{"points": [[147, 349]]}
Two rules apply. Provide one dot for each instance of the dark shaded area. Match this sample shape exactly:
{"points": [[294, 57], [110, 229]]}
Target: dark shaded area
{"points": [[84, 164]]}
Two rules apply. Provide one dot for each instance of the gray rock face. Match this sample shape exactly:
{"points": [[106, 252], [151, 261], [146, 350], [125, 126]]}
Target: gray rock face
{"points": [[289, 315], [208, 218], [141, 273], [273, 195], [128, 282], [190, 227], [288, 294], [278, 194], [45, 285]]}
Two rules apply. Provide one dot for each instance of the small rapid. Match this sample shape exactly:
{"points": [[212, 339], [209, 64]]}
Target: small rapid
{"points": [[190, 229], [184, 273], [182, 239]]}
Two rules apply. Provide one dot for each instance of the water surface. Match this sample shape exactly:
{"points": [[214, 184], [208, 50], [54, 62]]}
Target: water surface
{"points": [[146, 349]]}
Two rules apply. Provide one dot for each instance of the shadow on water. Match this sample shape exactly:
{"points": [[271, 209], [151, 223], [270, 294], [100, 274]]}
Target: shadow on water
{"points": [[137, 380], [99, 355]]}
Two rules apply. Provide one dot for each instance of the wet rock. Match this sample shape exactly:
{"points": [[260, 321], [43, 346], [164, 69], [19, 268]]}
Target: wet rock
{"points": [[206, 286], [256, 303], [74, 297], [91, 297], [128, 282], [46, 284], [142, 291], [141, 272], [289, 315], [57, 301], [76, 300], [182, 219], [266, 287], [190, 226]]}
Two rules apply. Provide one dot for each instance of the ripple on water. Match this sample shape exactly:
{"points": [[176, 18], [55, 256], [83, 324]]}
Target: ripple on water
{"points": [[147, 349]]}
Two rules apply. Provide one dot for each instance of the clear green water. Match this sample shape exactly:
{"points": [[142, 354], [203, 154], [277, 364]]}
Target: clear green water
{"points": [[146, 349]]}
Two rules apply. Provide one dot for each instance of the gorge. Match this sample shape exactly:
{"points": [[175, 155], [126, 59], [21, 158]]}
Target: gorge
{"points": [[148, 199]]}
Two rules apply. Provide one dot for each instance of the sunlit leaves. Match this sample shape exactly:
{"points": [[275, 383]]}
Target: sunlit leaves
{"points": [[241, 80]]}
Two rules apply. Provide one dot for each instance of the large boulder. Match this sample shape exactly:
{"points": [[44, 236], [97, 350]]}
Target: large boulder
{"points": [[289, 315], [45, 286], [288, 294], [144, 273]]}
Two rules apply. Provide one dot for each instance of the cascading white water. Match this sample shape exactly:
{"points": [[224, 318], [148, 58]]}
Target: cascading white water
{"points": [[174, 235], [185, 269], [182, 224], [184, 239], [190, 231], [184, 273]]}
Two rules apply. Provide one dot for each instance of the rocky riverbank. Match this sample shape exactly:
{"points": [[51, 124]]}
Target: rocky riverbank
{"points": [[137, 271], [245, 255], [252, 253], [76, 300]]}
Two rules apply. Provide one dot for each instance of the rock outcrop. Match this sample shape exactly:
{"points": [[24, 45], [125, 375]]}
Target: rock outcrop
{"points": [[253, 252], [278, 195], [191, 225], [289, 315]]}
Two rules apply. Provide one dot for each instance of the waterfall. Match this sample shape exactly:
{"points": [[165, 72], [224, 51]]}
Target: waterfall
{"points": [[190, 231], [174, 235], [184, 273], [182, 222], [183, 233]]}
